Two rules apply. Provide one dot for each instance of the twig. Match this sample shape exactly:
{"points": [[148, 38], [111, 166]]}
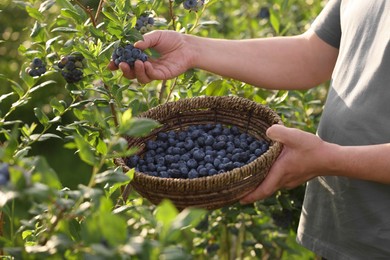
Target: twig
{"points": [[112, 107], [172, 15], [163, 88], [87, 10], [99, 10]]}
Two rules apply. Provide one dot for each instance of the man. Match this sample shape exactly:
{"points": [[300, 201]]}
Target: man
{"points": [[346, 211]]}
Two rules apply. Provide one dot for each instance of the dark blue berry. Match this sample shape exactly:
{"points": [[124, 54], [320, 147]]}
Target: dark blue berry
{"points": [[193, 174], [4, 174], [192, 163], [198, 155]]}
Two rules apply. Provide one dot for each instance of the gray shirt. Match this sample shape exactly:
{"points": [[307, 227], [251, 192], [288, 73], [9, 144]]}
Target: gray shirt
{"points": [[344, 218]]}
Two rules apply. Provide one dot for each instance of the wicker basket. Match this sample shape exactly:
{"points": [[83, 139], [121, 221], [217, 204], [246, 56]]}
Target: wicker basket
{"points": [[214, 191]]}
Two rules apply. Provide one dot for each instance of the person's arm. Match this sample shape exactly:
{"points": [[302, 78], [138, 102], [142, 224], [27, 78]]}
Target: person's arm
{"points": [[306, 156], [296, 62]]}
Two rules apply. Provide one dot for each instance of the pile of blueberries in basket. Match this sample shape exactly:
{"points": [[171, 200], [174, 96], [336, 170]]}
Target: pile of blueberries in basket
{"points": [[198, 151]]}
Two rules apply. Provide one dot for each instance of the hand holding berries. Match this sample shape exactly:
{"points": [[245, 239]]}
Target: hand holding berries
{"points": [[128, 54]]}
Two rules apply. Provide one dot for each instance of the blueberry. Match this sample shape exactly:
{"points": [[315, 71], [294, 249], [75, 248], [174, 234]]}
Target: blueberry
{"points": [[200, 140], [176, 158], [228, 166], [161, 160], [209, 140], [174, 173], [225, 160], [209, 166], [169, 158], [217, 163], [198, 155], [149, 159], [176, 150], [219, 145], [264, 147], [37, 62], [222, 153], [192, 174], [192, 163], [170, 150], [254, 145], [185, 157], [161, 168], [162, 136], [222, 138], [189, 144], [160, 150], [164, 174], [230, 147], [212, 172], [237, 164], [258, 152], [132, 161], [151, 145], [209, 159], [175, 165], [252, 158], [203, 172], [237, 150], [4, 174], [184, 171], [181, 136]]}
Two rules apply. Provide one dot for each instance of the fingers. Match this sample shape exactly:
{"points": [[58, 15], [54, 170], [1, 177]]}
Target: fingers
{"points": [[112, 66], [285, 135], [150, 40], [268, 187]]}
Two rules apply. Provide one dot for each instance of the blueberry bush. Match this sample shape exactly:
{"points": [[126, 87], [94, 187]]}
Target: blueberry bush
{"points": [[64, 115]]}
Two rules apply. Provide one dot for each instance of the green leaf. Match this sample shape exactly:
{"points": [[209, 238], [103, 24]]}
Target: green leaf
{"points": [[111, 177], [44, 137], [274, 20], [2, 97], [101, 147], [217, 88], [85, 150], [64, 29], [43, 84], [42, 117], [43, 173], [137, 126], [34, 13], [165, 214], [15, 86], [51, 41]]}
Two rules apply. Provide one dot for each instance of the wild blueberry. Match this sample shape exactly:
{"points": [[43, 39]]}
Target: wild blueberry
{"points": [[164, 174], [212, 172], [192, 174], [4, 174], [203, 171], [192, 163], [162, 136], [132, 161], [198, 155]]}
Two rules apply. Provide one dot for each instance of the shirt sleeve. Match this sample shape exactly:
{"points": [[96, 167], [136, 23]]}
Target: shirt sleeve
{"points": [[327, 25]]}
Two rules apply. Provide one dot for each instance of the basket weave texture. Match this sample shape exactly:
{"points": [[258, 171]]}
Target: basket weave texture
{"points": [[219, 190]]}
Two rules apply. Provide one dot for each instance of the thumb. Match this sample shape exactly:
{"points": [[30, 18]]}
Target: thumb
{"points": [[150, 40], [284, 135]]}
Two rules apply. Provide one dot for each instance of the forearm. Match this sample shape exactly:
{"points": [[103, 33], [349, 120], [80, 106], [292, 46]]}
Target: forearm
{"points": [[297, 62], [371, 162]]}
